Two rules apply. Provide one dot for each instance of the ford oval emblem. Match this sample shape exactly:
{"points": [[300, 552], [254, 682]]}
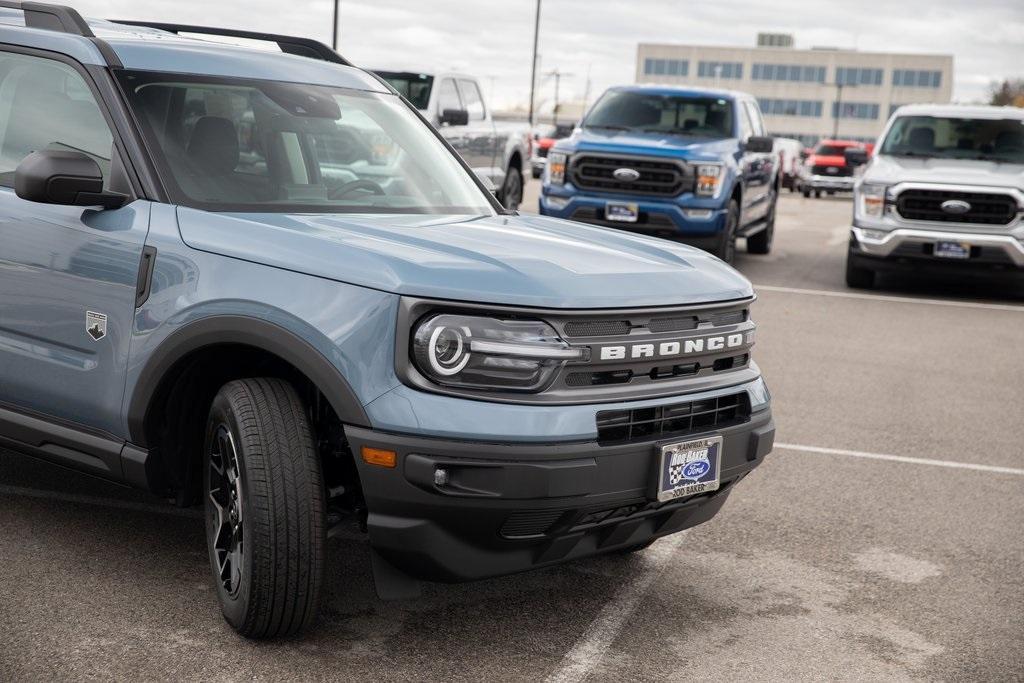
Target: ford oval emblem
{"points": [[696, 469], [957, 207], [626, 175]]}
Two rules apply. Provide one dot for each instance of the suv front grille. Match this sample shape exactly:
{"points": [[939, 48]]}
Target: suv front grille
{"points": [[677, 419], [986, 208], [661, 178]]}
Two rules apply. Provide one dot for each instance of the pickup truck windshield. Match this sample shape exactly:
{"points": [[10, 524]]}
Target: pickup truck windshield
{"points": [[224, 144], [676, 114], [414, 87], [956, 138]]}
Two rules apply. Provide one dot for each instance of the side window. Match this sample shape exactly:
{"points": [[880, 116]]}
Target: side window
{"points": [[474, 102], [746, 127], [45, 104], [448, 96], [755, 118]]}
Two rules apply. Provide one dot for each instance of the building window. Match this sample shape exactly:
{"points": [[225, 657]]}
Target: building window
{"points": [[909, 78], [847, 75], [855, 110], [788, 72], [774, 107], [666, 67], [732, 70]]}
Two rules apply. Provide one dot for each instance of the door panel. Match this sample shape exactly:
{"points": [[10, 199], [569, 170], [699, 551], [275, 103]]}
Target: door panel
{"points": [[58, 264], [756, 168]]}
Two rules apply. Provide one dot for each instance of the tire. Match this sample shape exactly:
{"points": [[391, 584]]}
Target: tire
{"points": [[806, 193], [262, 470], [817, 194], [512, 189], [536, 172], [761, 243], [858, 277], [726, 248]]}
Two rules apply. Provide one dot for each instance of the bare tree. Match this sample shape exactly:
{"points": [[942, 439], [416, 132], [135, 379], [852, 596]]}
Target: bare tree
{"points": [[1010, 92]]}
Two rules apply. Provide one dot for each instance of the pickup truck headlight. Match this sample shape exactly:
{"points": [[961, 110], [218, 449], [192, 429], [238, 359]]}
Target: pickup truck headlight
{"points": [[556, 167], [709, 180], [871, 200], [475, 352]]}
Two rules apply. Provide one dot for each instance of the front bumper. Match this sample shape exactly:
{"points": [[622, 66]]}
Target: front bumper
{"points": [[690, 219], [996, 251], [509, 508], [825, 182]]}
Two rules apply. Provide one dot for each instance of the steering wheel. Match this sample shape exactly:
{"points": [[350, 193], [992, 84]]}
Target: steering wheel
{"points": [[352, 186]]}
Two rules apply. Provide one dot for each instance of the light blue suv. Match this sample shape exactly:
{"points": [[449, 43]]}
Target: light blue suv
{"points": [[260, 282]]}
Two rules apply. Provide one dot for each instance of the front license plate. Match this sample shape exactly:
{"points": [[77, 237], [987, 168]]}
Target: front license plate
{"points": [[621, 211], [689, 467], [960, 250]]}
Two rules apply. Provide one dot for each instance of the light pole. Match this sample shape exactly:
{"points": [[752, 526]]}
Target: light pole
{"points": [[533, 64], [334, 26], [558, 80], [839, 110]]}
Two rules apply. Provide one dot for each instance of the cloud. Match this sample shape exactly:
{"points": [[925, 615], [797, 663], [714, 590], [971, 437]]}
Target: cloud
{"points": [[493, 39]]}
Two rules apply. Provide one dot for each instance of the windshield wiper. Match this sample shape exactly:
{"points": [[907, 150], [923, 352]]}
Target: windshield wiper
{"points": [[608, 127]]}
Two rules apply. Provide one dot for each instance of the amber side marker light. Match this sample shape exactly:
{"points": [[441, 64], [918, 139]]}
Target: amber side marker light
{"points": [[379, 457]]}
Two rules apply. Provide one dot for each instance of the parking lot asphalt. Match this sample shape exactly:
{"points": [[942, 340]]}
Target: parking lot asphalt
{"points": [[882, 539]]}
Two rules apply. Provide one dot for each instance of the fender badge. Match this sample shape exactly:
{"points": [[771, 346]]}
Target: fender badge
{"points": [[96, 325]]}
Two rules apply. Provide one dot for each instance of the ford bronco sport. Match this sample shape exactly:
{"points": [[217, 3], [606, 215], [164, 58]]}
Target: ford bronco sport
{"points": [[688, 164], [261, 282], [944, 192]]}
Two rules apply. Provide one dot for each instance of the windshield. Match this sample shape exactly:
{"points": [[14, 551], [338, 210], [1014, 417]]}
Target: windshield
{"points": [[243, 145], [677, 114], [956, 138], [413, 87]]}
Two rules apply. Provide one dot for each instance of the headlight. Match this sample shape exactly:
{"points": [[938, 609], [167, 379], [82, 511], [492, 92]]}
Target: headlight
{"points": [[871, 200], [709, 179], [475, 352], [556, 167]]}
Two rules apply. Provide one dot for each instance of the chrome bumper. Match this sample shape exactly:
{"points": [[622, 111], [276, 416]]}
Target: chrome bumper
{"points": [[824, 182], [884, 245]]}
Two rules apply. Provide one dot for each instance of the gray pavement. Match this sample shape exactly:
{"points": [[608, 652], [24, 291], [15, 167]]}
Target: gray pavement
{"points": [[855, 553]]}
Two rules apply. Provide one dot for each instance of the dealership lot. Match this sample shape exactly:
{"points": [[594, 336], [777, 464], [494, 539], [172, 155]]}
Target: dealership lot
{"points": [[883, 538]]}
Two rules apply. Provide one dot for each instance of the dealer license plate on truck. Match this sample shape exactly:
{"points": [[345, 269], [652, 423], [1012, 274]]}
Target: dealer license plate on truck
{"points": [[621, 211], [689, 468]]}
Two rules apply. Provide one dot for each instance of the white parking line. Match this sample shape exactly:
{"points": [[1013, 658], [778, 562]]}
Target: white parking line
{"points": [[100, 502], [883, 297], [993, 469], [587, 653]]}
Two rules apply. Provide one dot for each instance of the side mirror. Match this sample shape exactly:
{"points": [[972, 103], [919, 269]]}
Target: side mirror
{"points": [[760, 144], [455, 117], [855, 156], [63, 177]]}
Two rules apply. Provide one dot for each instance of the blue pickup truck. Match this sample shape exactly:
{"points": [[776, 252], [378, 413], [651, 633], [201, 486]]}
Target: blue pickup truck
{"points": [[683, 163]]}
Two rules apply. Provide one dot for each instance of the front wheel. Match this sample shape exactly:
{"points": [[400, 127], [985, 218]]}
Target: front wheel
{"points": [[726, 248], [761, 243], [857, 277], [265, 508], [512, 189], [806, 193]]}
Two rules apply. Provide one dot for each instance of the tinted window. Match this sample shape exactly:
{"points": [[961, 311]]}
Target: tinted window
{"points": [[654, 113], [448, 96], [414, 87], [954, 137], [471, 98], [225, 144], [47, 105]]}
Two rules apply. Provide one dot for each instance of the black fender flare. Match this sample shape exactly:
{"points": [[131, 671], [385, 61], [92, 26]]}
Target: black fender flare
{"points": [[235, 329]]}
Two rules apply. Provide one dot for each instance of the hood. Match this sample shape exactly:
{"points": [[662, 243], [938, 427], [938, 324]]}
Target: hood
{"points": [[653, 144], [515, 260], [891, 169]]}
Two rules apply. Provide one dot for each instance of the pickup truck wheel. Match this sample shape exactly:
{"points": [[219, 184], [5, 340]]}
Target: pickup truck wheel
{"points": [[761, 243], [726, 249], [265, 524], [857, 277], [512, 189]]}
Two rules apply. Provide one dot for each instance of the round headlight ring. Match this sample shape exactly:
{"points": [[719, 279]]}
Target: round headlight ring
{"points": [[445, 360]]}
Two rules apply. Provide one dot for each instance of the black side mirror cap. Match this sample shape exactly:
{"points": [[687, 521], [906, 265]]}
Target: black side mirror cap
{"points": [[455, 117], [63, 177], [855, 156], [760, 144]]}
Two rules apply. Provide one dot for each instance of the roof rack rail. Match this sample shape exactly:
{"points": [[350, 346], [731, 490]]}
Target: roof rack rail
{"points": [[303, 47], [51, 17]]}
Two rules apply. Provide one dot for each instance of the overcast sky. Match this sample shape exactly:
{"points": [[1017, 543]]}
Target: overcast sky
{"points": [[493, 38]]}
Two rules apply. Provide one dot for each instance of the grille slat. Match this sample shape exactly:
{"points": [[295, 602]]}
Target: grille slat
{"points": [[839, 172], [986, 208], [679, 419], [529, 523], [658, 178]]}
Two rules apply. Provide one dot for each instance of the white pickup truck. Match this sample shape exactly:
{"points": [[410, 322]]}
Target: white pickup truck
{"points": [[454, 104], [943, 191]]}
